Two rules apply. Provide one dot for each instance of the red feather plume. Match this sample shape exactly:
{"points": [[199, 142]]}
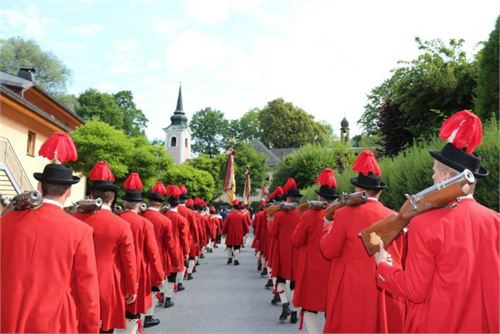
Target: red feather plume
{"points": [[236, 202], [101, 172], [327, 178], [278, 191], [172, 191], [59, 147], [463, 130], [133, 182], [159, 187], [290, 183], [366, 163], [190, 202], [183, 189]]}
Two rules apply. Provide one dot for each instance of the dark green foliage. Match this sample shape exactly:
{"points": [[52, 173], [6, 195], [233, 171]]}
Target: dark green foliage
{"points": [[51, 74], [256, 162], [247, 128], [393, 129], [97, 140], [426, 90], [198, 182], [306, 164], [213, 166], [118, 110], [285, 125], [486, 101], [209, 128]]}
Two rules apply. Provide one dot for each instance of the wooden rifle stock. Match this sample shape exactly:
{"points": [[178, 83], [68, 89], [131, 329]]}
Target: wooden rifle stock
{"points": [[351, 199], [436, 196], [29, 200], [271, 211], [84, 206]]}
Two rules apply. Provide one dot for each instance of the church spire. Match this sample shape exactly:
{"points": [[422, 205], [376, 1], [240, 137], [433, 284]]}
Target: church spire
{"points": [[179, 118], [179, 109]]}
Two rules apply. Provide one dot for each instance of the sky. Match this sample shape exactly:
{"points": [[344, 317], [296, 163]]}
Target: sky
{"points": [[324, 56]]}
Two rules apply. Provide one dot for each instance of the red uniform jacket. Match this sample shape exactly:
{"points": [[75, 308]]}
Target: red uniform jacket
{"points": [[116, 265], [180, 228], [214, 226], [49, 275], [452, 271], [164, 238], [355, 303], [147, 254], [256, 225], [271, 242], [194, 236], [263, 234], [311, 285], [235, 228], [284, 255]]}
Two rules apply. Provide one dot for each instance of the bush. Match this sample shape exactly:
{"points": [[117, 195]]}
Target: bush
{"points": [[198, 182], [306, 164]]}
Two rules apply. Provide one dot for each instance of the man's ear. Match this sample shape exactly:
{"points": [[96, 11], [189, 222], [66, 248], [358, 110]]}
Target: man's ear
{"points": [[39, 186]]}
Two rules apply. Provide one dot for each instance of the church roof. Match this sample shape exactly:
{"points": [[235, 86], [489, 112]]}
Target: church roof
{"points": [[179, 117]]}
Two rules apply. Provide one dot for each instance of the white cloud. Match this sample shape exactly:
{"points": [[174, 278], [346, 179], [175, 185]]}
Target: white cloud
{"points": [[125, 58], [217, 11], [31, 21], [87, 29]]}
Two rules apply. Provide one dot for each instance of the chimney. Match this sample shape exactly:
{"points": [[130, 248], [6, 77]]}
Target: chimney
{"points": [[27, 73]]}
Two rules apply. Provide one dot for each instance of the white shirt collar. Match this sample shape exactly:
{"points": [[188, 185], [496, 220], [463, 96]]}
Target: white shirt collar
{"points": [[173, 209], [105, 207], [51, 201], [372, 199], [470, 196], [153, 209]]}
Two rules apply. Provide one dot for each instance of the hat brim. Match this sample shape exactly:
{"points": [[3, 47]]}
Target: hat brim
{"points": [[358, 184], [327, 196], [50, 180], [104, 187], [480, 173]]}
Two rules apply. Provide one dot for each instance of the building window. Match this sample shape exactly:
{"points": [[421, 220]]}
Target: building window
{"points": [[173, 142], [30, 148], [186, 142]]}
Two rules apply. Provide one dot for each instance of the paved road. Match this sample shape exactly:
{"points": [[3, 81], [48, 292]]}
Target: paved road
{"points": [[223, 299]]}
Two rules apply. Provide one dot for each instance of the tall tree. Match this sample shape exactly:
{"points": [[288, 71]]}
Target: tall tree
{"points": [[426, 90], [51, 74], [486, 101], [248, 158], [393, 128], [118, 110], [134, 120], [247, 128], [285, 125], [209, 128]]}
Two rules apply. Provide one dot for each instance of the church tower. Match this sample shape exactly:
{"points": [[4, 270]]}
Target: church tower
{"points": [[178, 134]]}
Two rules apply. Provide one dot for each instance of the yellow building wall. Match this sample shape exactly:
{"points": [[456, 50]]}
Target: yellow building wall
{"points": [[14, 126]]}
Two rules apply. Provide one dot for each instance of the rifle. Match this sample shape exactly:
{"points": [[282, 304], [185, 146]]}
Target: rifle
{"points": [[143, 207], [285, 206], [314, 205], [165, 208], [29, 200], [345, 199], [84, 206], [436, 196]]}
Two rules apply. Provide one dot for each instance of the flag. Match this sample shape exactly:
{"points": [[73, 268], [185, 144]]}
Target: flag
{"points": [[230, 182], [247, 190]]}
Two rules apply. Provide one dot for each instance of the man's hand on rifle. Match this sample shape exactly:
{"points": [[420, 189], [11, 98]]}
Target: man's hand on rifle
{"points": [[382, 255]]}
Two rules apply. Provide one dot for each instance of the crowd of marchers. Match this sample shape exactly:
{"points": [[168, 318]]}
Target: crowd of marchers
{"points": [[440, 273]]}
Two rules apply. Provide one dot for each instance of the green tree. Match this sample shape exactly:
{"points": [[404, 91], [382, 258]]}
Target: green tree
{"points": [[285, 125], [306, 164], [134, 120], [209, 128], [51, 74], [486, 101], [198, 182], [213, 166], [118, 110], [248, 158], [97, 140], [247, 128]]}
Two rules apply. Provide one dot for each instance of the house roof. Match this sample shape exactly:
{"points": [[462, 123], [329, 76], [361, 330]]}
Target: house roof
{"points": [[274, 155], [10, 81], [11, 94]]}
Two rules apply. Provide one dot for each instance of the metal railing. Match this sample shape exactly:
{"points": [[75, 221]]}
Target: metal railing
{"points": [[12, 166]]}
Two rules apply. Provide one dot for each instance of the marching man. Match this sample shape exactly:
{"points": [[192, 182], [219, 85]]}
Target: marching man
{"points": [[311, 286], [354, 303], [452, 271], [48, 268], [115, 252], [235, 230]]}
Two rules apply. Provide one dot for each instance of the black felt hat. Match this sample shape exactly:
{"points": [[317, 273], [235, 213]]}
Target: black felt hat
{"points": [[327, 192], [156, 197], [459, 160], [133, 196], [293, 192], [369, 182], [103, 185], [57, 174]]}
